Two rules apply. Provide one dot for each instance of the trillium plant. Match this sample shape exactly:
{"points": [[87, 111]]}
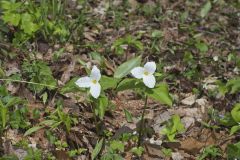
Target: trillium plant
{"points": [[147, 74], [120, 82]]}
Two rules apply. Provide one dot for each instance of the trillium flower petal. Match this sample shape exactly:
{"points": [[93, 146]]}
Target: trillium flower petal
{"points": [[95, 73], [149, 81], [95, 90], [137, 72], [150, 67], [83, 82]]}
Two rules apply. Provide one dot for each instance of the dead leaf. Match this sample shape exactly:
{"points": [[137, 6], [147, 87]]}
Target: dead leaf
{"points": [[189, 100], [61, 155], [67, 73], [177, 156], [154, 150], [188, 121]]}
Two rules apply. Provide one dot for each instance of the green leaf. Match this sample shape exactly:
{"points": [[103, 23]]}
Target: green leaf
{"points": [[205, 9], [48, 122], [126, 67], [96, 56], [13, 101], [12, 18], [3, 110], [236, 112], [137, 151], [102, 106], [44, 97], [233, 85], [70, 86], [117, 145], [227, 120], [202, 47], [172, 127], [2, 73], [178, 126], [108, 82], [128, 115], [157, 34], [129, 83], [28, 25], [161, 94], [97, 149], [234, 129], [10, 5], [233, 151], [32, 130]]}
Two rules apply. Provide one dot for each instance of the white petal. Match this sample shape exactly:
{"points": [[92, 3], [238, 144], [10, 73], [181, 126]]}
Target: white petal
{"points": [[95, 73], [137, 72], [83, 82], [95, 90], [149, 81], [150, 67]]}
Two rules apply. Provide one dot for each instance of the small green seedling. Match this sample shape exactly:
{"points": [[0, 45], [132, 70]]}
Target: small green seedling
{"points": [[118, 45], [209, 152], [61, 145], [235, 113], [173, 127]]}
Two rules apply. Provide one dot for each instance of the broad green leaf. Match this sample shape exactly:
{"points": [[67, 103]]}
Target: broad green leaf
{"points": [[117, 145], [96, 56], [128, 115], [129, 83], [161, 94], [108, 82], [126, 67], [32, 130], [178, 126], [234, 129], [102, 106], [12, 18], [97, 149], [28, 25], [205, 9], [233, 85], [236, 112], [202, 47]]}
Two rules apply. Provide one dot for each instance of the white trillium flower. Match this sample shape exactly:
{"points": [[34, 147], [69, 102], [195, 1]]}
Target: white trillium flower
{"points": [[91, 82], [146, 73]]}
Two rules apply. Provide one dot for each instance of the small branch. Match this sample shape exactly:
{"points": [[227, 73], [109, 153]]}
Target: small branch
{"points": [[142, 125], [20, 81]]}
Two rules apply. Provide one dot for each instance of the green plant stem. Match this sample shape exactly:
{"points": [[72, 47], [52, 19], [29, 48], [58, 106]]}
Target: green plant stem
{"points": [[21, 81], [142, 125]]}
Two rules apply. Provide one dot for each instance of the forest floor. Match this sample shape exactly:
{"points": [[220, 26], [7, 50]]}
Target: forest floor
{"points": [[196, 46]]}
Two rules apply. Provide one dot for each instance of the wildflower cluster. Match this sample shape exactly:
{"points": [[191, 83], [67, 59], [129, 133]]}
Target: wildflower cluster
{"points": [[146, 73]]}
